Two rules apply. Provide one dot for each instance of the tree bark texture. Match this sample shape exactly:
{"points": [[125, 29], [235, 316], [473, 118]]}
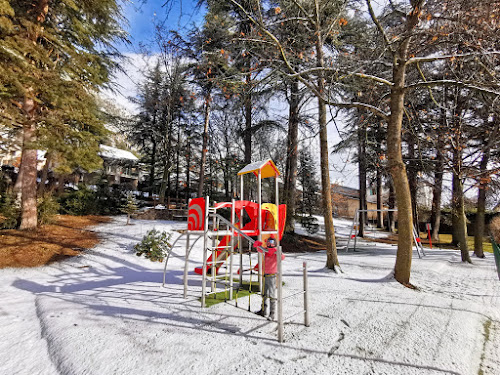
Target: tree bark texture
{"points": [[402, 268], [481, 206], [380, 206], [163, 187], [291, 157], [247, 134], [28, 171], [362, 178], [397, 169], [204, 149], [459, 220], [152, 168], [391, 217], [177, 168], [45, 173], [188, 166], [380, 215], [331, 246], [437, 190], [412, 177]]}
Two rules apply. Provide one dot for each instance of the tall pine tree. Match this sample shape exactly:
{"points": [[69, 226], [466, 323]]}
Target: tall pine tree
{"points": [[53, 58]]}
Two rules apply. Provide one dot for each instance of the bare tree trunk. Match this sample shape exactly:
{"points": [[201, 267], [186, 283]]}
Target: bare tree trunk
{"points": [[391, 217], [204, 150], [380, 216], [152, 170], [28, 171], [397, 169], [188, 166], [247, 141], [481, 206], [402, 268], [164, 183], [362, 178], [437, 191], [292, 156], [380, 206], [177, 169], [412, 177], [60, 184], [458, 218], [331, 246]]}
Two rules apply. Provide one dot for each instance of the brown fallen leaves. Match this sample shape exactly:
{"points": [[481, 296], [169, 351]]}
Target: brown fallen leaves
{"points": [[67, 237]]}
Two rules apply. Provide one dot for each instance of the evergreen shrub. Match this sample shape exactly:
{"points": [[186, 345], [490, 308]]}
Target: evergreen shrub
{"points": [[154, 246], [47, 209], [105, 200], [9, 211], [310, 224], [80, 202]]}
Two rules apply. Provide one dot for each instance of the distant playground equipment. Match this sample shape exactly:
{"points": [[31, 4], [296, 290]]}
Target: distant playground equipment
{"points": [[223, 238], [353, 235], [496, 254]]}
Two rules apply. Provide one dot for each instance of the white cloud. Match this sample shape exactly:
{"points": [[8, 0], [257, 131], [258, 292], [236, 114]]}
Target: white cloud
{"points": [[126, 81]]}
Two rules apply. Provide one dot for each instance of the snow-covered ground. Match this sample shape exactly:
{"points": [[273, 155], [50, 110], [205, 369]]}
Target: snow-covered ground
{"points": [[107, 313]]}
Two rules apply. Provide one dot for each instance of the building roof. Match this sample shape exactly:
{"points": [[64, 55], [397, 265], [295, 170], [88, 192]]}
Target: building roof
{"points": [[267, 169], [350, 193], [346, 191], [116, 153]]}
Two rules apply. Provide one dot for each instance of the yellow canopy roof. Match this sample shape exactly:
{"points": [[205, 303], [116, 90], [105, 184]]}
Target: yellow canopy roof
{"points": [[267, 169]]}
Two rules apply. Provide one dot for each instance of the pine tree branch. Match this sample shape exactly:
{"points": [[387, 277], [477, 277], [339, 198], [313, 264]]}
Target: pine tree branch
{"points": [[414, 60], [378, 25], [298, 5], [449, 82]]}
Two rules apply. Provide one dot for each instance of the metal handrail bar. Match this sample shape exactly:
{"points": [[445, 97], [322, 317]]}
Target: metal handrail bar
{"points": [[237, 230], [168, 255]]}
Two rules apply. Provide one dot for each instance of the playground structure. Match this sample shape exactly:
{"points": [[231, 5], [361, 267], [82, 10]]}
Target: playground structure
{"points": [[225, 236], [355, 226]]}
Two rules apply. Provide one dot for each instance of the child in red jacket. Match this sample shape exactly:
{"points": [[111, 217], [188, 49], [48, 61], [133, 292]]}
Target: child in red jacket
{"points": [[270, 271]]}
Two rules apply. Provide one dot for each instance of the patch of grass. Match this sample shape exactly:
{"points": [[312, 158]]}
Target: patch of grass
{"points": [[49, 243], [238, 292], [445, 241], [242, 291], [486, 334]]}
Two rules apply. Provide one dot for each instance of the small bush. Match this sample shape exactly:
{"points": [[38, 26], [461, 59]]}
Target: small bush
{"points": [[80, 202], [154, 246], [111, 198], [9, 211], [47, 209], [130, 206], [495, 229]]}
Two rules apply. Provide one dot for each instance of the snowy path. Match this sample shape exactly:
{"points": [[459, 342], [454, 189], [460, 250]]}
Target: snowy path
{"points": [[106, 313]]}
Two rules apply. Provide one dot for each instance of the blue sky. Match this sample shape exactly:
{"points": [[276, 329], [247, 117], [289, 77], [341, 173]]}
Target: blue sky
{"points": [[144, 15]]}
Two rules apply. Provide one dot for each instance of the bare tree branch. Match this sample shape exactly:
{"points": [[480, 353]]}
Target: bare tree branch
{"points": [[376, 111]]}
